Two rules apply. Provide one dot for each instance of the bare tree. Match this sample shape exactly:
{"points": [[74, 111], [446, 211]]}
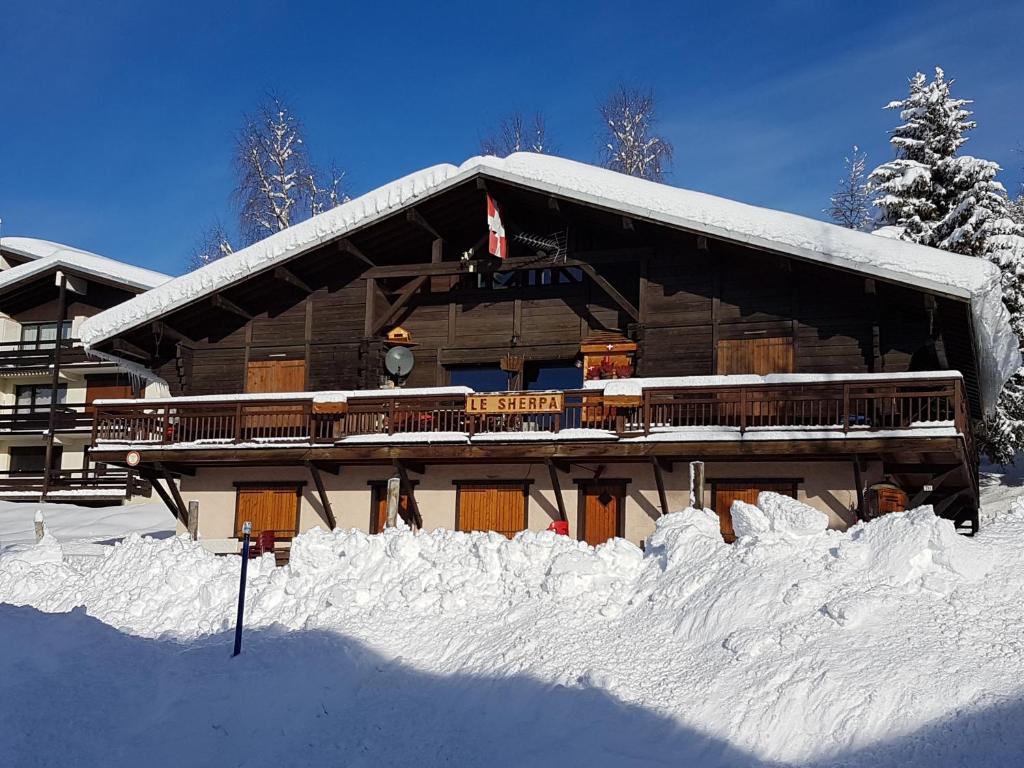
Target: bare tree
{"points": [[326, 192], [213, 244], [515, 134], [629, 145], [851, 203]]}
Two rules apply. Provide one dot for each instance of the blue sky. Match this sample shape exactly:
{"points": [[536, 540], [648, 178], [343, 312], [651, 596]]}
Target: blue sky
{"points": [[116, 122]]}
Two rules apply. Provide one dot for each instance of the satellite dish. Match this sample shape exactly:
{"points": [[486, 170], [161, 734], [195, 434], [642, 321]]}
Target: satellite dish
{"points": [[399, 361]]}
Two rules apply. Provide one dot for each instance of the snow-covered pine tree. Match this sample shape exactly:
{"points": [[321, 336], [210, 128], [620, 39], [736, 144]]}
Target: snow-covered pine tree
{"points": [[851, 205], [911, 192], [629, 145], [954, 202], [515, 134], [213, 244]]}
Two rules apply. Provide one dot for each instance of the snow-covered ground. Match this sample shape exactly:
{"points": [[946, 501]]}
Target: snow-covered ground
{"points": [[896, 643], [68, 522]]}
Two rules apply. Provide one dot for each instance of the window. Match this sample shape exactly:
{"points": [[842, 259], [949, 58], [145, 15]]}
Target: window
{"points": [[43, 335], [32, 459], [29, 397], [553, 374], [269, 507], [479, 378]]}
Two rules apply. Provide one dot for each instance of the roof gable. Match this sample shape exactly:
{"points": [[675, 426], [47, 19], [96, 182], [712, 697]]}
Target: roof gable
{"points": [[964, 278]]}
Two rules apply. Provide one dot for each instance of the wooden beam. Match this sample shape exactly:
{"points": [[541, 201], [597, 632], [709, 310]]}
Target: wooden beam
{"points": [[408, 490], [347, 246], [182, 514], [949, 501], [415, 217], [922, 496], [285, 275], [161, 330], [127, 348], [659, 481], [418, 467], [557, 487], [396, 308], [437, 251], [858, 483], [325, 502], [611, 290], [220, 302], [161, 492]]}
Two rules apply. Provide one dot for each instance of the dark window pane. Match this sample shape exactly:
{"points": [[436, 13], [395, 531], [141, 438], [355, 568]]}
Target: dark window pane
{"points": [[479, 378]]}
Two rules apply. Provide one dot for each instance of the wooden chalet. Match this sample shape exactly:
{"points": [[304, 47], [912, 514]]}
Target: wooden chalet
{"points": [[48, 383], [632, 328]]}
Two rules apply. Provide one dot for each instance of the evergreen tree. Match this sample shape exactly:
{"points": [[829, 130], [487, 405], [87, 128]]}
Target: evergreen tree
{"points": [[953, 202], [850, 204]]}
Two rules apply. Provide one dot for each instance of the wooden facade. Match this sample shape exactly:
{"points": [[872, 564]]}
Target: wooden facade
{"points": [[679, 303]]}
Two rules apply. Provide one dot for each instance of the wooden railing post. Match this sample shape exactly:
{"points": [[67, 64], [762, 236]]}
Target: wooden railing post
{"points": [[743, 410], [391, 416], [164, 427], [646, 416], [846, 407]]}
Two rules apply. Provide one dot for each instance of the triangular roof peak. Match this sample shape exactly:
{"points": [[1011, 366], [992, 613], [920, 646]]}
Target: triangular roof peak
{"points": [[966, 278]]}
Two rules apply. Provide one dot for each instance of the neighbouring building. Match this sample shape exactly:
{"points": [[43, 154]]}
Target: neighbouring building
{"points": [[48, 381], [627, 329]]}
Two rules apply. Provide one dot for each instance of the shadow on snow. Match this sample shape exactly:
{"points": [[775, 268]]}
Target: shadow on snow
{"points": [[75, 691]]}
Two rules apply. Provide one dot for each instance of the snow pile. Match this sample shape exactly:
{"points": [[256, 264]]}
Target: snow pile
{"points": [[893, 643]]}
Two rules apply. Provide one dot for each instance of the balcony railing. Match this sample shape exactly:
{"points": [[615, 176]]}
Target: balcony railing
{"points": [[36, 418], [99, 482], [39, 354], [852, 406]]}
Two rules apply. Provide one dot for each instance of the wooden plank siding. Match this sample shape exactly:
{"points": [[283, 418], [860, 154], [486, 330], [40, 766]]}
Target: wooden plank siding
{"points": [[695, 295]]}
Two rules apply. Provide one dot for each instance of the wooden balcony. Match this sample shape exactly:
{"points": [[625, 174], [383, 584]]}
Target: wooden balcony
{"points": [[21, 419], [861, 405], [97, 483], [39, 355]]}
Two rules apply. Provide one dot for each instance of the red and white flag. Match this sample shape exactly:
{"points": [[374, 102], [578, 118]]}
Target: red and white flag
{"points": [[497, 243]]}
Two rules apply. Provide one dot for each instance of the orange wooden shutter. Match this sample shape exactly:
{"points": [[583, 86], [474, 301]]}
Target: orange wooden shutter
{"points": [[500, 508], [727, 493], [759, 356], [275, 376], [268, 509]]}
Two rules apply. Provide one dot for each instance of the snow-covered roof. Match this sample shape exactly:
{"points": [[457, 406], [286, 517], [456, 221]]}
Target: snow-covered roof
{"points": [[44, 255], [969, 279]]}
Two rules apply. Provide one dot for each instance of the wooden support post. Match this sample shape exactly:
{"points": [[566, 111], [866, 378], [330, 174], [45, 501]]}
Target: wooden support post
{"points": [[62, 310], [193, 520], [285, 275], [347, 246], [858, 483], [396, 308], [697, 484], [414, 507], [325, 502], [154, 481], [179, 503], [371, 298], [557, 488], [659, 480], [611, 290]]}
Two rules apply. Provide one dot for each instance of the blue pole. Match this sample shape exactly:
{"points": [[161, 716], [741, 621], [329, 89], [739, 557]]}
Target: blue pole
{"points": [[246, 531]]}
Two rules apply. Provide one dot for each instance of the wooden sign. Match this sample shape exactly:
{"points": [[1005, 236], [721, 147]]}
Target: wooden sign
{"points": [[542, 402]]}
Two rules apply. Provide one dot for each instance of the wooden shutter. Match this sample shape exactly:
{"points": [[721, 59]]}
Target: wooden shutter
{"points": [[601, 511], [724, 494], [379, 518], [275, 376], [759, 356], [107, 387], [268, 508], [500, 507]]}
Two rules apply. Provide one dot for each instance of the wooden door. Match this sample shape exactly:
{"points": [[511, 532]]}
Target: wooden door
{"points": [[724, 494], [269, 508], [500, 507], [379, 517], [106, 387], [760, 356], [275, 376], [601, 511]]}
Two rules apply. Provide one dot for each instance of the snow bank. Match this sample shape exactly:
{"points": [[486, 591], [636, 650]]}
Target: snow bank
{"points": [[796, 644], [69, 522], [968, 278]]}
